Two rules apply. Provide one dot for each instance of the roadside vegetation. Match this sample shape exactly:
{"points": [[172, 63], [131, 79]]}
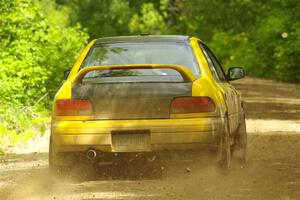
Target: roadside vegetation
{"points": [[40, 39], [37, 45]]}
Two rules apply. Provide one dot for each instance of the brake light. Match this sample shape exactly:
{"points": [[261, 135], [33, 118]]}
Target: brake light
{"points": [[73, 107], [182, 105]]}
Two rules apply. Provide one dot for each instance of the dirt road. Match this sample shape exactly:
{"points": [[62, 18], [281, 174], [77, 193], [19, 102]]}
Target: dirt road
{"points": [[272, 171]]}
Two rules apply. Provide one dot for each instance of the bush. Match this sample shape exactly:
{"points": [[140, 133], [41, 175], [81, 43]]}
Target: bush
{"points": [[20, 123], [38, 46]]}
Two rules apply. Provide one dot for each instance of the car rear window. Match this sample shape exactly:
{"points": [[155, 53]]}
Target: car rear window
{"points": [[140, 53]]}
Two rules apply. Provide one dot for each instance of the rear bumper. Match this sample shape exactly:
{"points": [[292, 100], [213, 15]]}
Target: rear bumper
{"points": [[165, 134]]}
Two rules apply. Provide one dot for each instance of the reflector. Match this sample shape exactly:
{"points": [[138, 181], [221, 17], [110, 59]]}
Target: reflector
{"points": [[73, 107], [182, 105]]}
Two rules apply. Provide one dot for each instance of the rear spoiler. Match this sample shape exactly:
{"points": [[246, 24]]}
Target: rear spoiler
{"points": [[186, 74]]}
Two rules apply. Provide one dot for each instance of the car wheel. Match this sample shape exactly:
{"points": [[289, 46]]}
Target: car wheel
{"points": [[225, 147], [56, 163], [51, 155], [52, 159], [240, 141]]}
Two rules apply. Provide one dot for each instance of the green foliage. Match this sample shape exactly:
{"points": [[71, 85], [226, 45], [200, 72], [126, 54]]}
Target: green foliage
{"points": [[235, 50], [249, 33], [149, 21], [240, 32], [279, 57], [38, 45], [101, 17], [20, 123]]}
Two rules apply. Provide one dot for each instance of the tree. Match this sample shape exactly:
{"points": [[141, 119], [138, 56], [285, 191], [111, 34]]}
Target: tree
{"points": [[37, 45]]}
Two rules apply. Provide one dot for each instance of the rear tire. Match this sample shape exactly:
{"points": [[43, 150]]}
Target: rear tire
{"points": [[240, 141], [225, 147], [57, 163]]}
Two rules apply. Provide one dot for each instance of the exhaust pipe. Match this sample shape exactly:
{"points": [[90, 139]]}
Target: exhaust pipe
{"points": [[91, 154]]}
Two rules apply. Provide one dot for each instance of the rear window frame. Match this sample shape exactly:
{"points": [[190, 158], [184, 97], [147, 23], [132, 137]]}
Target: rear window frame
{"points": [[197, 74]]}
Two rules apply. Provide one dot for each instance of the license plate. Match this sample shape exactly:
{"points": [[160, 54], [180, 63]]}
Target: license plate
{"points": [[131, 141]]}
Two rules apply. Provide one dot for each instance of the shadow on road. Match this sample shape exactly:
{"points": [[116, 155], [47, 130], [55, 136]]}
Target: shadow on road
{"points": [[266, 99]]}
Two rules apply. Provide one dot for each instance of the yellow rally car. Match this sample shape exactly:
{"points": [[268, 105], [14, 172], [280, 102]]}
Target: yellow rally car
{"points": [[146, 94]]}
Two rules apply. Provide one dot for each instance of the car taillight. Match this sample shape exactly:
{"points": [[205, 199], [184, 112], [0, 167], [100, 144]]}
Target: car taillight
{"points": [[182, 105], [73, 107]]}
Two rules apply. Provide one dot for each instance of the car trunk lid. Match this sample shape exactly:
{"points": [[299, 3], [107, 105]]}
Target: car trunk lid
{"points": [[131, 100], [134, 99]]}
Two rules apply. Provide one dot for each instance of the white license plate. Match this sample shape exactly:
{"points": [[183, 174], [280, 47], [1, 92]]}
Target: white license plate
{"points": [[131, 141]]}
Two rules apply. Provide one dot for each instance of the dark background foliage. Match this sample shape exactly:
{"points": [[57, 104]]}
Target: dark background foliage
{"points": [[263, 36]]}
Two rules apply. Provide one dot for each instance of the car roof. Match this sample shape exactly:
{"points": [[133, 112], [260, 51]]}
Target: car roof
{"points": [[143, 38]]}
